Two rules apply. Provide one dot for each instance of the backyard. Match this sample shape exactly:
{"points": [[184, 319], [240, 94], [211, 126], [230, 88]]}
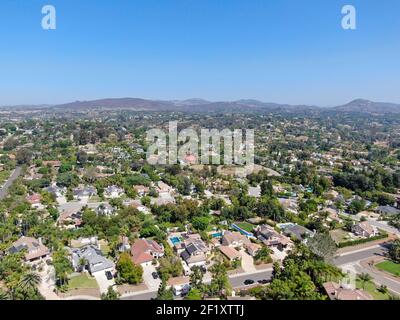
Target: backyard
{"points": [[245, 226]]}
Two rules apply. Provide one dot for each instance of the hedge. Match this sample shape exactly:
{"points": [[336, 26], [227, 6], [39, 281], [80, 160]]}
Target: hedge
{"points": [[383, 235]]}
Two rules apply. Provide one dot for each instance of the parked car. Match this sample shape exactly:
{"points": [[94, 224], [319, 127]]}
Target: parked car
{"points": [[155, 275], [263, 281], [248, 282], [109, 275]]}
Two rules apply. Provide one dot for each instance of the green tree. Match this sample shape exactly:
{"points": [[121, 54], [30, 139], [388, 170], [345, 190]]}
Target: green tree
{"points": [[220, 285], [394, 251], [364, 278], [196, 278], [267, 188], [111, 294], [30, 281], [62, 267], [323, 246], [163, 293], [200, 223], [194, 294], [128, 272]]}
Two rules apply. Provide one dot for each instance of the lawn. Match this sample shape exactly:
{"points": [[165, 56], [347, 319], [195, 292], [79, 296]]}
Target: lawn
{"points": [[339, 235], [372, 290], [245, 226], [104, 247], [389, 266], [4, 176], [82, 281]]}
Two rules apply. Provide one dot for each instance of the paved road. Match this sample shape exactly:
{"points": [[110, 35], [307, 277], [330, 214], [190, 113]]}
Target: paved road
{"points": [[9, 182], [361, 254], [384, 226]]}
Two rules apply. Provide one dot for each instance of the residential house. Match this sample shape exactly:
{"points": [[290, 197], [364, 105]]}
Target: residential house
{"points": [[272, 238], [70, 219], [34, 200], [34, 248], [290, 205], [234, 239], [123, 244], [52, 163], [84, 193], [141, 190], [163, 187], [194, 250], [104, 209], [163, 198], [57, 191], [140, 207], [144, 251], [252, 248], [180, 285], [387, 211], [82, 242], [230, 253], [92, 259], [364, 229], [113, 192], [296, 231], [336, 292]]}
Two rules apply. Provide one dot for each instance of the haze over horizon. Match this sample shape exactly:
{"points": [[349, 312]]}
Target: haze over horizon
{"points": [[275, 51]]}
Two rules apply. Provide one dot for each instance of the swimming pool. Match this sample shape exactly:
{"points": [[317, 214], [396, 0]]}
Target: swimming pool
{"points": [[216, 235], [175, 240]]}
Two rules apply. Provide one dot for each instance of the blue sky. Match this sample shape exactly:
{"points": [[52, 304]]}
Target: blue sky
{"points": [[287, 51]]}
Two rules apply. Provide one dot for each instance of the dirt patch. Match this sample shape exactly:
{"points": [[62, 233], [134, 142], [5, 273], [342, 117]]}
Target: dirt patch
{"points": [[235, 271], [263, 266], [127, 288], [80, 292]]}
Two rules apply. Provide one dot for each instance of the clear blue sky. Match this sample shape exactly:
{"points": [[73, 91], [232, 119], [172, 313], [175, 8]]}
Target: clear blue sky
{"points": [[288, 51]]}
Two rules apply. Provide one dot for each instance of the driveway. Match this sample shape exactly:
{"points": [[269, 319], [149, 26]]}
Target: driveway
{"points": [[148, 279], [247, 262], [47, 284], [103, 282]]}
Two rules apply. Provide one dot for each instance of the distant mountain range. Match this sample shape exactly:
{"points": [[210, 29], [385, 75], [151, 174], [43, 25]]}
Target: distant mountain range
{"points": [[361, 105], [200, 105], [190, 105]]}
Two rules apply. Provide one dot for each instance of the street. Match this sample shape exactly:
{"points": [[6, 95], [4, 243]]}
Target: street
{"points": [[15, 174]]}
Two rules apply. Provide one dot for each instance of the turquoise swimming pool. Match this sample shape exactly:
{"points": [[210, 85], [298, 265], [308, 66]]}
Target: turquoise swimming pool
{"points": [[175, 240], [216, 235]]}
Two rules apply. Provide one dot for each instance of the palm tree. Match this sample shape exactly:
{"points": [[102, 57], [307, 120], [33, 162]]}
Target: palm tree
{"points": [[364, 278], [30, 281], [82, 263], [4, 295]]}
